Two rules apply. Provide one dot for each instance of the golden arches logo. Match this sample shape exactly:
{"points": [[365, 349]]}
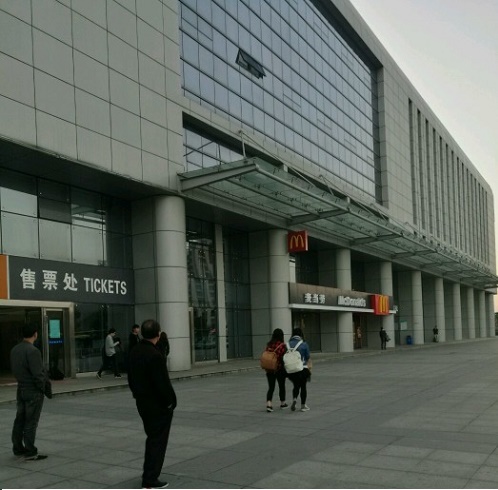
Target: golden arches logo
{"points": [[297, 241]]}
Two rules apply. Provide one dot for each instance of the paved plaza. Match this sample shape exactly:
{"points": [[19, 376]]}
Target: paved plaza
{"points": [[408, 418]]}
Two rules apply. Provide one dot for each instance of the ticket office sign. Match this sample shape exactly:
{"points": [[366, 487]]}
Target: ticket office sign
{"points": [[45, 280]]}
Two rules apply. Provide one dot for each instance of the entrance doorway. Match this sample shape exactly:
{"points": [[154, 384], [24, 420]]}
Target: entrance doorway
{"points": [[309, 323], [360, 331], [53, 337]]}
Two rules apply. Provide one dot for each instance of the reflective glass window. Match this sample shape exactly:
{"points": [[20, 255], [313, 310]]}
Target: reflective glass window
{"points": [[55, 241], [19, 235], [88, 245], [18, 202]]}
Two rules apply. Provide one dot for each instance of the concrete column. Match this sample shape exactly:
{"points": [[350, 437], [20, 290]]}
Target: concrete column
{"points": [[482, 314], [417, 308], [386, 287], [457, 311], [220, 294], [491, 314], [471, 319], [171, 278], [344, 319], [270, 276], [279, 276], [439, 307]]}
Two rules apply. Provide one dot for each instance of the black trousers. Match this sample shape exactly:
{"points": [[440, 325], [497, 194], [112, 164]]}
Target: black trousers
{"points": [[157, 423], [273, 378], [29, 407], [299, 381], [111, 363]]}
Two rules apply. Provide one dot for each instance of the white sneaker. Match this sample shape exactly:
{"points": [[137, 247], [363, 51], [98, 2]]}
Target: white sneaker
{"points": [[304, 408]]}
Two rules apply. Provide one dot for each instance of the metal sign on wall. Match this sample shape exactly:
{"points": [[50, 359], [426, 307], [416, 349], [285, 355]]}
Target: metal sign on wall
{"points": [[323, 297], [46, 280]]}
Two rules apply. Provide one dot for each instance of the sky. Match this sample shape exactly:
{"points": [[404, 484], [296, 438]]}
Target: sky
{"points": [[449, 51]]}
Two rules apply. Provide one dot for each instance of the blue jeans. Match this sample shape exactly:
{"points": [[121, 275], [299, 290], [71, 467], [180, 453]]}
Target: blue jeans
{"points": [[29, 407]]}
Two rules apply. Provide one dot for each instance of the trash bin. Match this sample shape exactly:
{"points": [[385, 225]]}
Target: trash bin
{"points": [[408, 340]]}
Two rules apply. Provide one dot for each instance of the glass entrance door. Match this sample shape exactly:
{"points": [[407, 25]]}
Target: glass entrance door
{"points": [[54, 341]]}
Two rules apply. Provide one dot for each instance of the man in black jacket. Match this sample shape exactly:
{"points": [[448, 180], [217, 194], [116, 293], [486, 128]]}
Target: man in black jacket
{"points": [[32, 385], [151, 387]]}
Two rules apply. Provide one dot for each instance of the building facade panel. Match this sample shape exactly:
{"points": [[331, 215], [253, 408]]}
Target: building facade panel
{"points": [[179, 142]]}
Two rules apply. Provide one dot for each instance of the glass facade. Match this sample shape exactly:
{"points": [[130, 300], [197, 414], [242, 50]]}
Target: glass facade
{"points": [[201, 266], [301, 84], [237, 293], [47, 220], [91, 324], [202, 151]]}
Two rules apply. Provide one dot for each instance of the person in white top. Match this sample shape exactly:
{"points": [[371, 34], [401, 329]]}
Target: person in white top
{"points": [[109, 359]]}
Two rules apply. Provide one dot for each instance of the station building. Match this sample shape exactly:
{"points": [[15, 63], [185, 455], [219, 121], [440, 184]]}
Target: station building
{"points": [[227, 167]]}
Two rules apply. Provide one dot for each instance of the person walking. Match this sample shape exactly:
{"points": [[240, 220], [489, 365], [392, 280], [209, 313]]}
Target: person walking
{"points": [[32, 385], [109, 358], [435, 331], [277, 345], [155, 398], [301, 378], [383, 338]]}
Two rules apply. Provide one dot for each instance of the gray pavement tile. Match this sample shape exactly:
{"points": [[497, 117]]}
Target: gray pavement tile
{"points": [[389, 462], [487, 473], [111, 475], [199, 483], [9, 472], [73, 483], [335, 455], [492, 460], [459, 456], [75, 468], [459, 470], [480, 484], [33, 480], [209, 463], [447, 444], [406, 451], [185, 452]]}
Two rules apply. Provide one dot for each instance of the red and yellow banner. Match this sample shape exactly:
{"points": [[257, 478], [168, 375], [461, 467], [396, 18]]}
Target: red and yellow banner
{"points": [[380, 304], [4, 290]]}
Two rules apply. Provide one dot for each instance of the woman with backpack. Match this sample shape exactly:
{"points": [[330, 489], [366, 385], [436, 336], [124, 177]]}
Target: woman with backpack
{"points": [[276, 345], [300, 378]]}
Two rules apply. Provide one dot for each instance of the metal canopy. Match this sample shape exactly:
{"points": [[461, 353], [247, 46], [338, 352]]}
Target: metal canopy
{"points": [[287, 199]]}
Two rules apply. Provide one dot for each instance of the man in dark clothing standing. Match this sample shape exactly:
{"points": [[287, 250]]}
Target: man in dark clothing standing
{"points": [[149, 382], [32, 385], [133, 338]]}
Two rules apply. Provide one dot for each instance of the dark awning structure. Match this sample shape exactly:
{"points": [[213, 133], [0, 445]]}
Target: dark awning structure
{"points": [[289, 200]]}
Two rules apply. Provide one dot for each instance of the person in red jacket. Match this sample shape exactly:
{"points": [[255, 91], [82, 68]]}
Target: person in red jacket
{"points": [[277, 345]]}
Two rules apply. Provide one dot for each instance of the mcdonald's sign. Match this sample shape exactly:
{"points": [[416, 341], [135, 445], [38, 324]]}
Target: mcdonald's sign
{"points": [[380, 304], [297, 241]]}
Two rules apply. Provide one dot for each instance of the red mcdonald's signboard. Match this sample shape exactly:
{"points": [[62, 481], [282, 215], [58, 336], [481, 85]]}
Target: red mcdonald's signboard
{"points": [[380, 304], [297, 241]]}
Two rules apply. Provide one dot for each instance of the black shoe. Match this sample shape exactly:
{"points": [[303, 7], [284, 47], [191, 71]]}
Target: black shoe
{"points": [[99, 376], [36, 457], [117, 376], [157, 484]]}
